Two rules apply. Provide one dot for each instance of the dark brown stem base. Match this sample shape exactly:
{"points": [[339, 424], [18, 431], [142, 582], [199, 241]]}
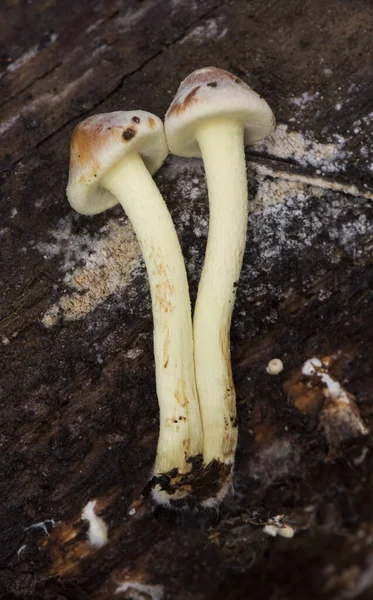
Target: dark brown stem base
{"points": [[205, 485]]}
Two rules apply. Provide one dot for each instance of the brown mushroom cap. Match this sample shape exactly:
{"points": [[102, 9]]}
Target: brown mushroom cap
{"points": [[99, 142], [212, 93]]}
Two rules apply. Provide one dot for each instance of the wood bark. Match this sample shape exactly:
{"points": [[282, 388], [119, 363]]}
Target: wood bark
{"points": [[79, 416]]}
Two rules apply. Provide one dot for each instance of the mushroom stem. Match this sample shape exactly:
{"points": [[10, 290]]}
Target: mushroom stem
{"points": [[221, 141], [180, 436]]}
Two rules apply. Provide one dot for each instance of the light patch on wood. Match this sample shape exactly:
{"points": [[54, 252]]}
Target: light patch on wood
{"points": [[306, 151], [208, 30], [154, 592], [29, 55], [325, 159], [47, 100], [273, 191], [107, 268], [284, 182]]}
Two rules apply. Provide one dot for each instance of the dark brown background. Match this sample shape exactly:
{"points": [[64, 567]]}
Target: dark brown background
{"points": [[78, 406]]}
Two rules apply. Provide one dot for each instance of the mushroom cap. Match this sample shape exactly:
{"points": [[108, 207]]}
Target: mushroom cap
{"points": [[99, 142], [212, 93]]}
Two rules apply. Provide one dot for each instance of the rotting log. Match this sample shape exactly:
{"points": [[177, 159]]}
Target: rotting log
{"points": [[79, 410]]}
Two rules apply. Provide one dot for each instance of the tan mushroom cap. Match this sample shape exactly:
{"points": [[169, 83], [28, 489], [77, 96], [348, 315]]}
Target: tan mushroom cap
{"points": [[99, 142], [210, 93]]}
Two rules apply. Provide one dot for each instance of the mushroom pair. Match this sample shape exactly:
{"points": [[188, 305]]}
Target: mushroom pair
{"points": [[113, 156]]}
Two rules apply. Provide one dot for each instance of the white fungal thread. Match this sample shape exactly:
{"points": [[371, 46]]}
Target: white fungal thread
{"points": [[97, 531], [313, 366], [42, 525], [309, 366], [341, 407], [275, 526], [21, 549], [154, 592], [360, 459]]}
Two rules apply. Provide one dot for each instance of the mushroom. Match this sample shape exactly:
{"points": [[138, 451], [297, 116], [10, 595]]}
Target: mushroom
{"points": [[112, 159], [213, 115], [275, 366]]}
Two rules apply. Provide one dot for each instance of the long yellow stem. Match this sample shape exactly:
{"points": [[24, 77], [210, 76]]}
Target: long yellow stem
{"points": [[180, 436], [222, 147]]}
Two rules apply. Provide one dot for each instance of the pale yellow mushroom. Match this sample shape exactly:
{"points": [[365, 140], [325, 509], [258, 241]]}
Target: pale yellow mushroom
{"points": [[113, 158], [213, 115]]}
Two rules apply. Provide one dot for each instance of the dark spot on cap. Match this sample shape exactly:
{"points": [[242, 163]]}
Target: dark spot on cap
{"points": [[212, 84], [128, 134], [136, 119], [109, 128], [238, 80]]}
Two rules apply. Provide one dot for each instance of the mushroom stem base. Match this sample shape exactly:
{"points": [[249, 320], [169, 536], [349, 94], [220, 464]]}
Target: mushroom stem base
{"points": [[205, 486]]}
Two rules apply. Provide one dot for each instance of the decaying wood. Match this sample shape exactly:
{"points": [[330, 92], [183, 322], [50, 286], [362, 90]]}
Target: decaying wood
{"points": [[78, 403]]}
